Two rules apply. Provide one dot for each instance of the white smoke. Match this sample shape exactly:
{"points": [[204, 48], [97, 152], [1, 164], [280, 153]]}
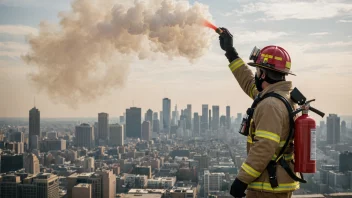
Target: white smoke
{"points": [[89, 52]]}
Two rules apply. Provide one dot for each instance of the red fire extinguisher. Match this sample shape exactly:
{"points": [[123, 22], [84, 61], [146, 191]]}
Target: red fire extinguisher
{"points": [[305, 139]]}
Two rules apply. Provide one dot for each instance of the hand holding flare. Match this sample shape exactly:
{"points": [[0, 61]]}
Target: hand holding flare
{"points": [[206, 23]]}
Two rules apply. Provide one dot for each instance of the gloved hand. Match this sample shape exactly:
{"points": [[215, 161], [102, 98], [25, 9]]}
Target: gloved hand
{"points": [[226, 43], [238, 188]]}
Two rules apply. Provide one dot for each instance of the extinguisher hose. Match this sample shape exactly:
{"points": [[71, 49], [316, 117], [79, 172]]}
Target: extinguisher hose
{"points": [[316, 111]]}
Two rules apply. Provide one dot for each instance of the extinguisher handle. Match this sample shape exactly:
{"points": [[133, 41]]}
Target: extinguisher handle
{"points": [[317, 111]]}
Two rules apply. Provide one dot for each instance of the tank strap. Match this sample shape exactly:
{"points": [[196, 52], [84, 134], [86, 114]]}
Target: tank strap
{"points": [[271, 168]]}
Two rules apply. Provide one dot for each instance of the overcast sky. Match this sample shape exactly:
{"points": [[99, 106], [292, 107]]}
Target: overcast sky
{"points": [[317, 35]]}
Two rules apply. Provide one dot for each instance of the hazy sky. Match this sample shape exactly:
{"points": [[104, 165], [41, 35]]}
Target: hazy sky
{"points": [[318, 36]]}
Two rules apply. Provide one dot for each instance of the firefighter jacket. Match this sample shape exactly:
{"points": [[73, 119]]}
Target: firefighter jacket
{"points": [[268, 131]]}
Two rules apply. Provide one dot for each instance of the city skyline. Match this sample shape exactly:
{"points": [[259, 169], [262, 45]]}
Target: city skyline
{"points": [[207, 80]]}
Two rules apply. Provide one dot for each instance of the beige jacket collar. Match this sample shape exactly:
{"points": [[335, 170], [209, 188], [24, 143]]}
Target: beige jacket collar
{"points": [[277, 87]]}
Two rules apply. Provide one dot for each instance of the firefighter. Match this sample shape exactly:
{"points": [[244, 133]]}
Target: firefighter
{"points": [[269, 127]]}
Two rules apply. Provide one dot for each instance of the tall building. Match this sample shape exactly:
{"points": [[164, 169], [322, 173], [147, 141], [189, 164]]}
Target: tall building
{"points": [[228, 117], [34, 139], [103, 126], [223, 121], [47, 185], [116, 135], [156, 126], [43, 185], [333, 129], [149, 117], [17, 136], [103, 183], [345, 164], [34, 124], [161, 120], [189, 117], [52, 145], [204, 121], [212, 182], [216, 117], [82, 190], [166, 115], [31, 164], [196, 124], [84, 136], [155, 116], [133, 122], [89, 164], [210, 120], [146, 131], [11, 163], [343, 128]]}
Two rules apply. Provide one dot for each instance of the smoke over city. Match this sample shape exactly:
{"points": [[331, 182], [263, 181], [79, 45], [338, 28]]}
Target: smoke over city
{"points": [[89, 52]]}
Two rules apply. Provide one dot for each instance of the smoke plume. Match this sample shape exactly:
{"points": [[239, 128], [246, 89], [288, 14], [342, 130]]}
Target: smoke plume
{"points": [[89, 52]]}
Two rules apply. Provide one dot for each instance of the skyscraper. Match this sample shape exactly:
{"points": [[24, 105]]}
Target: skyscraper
{"points": [[189, 117], [84, 136], [216, 117], [166, 115], [155, 116], [146, 131], [31, 164], [116, 135], [196, 124], [89, 164], [34, 124], [333, 129], [204, 121], [103, 126], [223, 121], [133, 122], [228, 117], [343, 128], [149, 116]]}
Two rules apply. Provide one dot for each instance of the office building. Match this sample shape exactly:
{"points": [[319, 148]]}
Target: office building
{"points": [[228, 117], [17, 136], [11, 163], [82, 190], [89, 165], [43, 185], [155, 116], [204, 121], [34, 139], [15, 147], [143, 170], [146, 131], [161, 120], [84, 136], [116, 135], [196, 124], [333, 129], [156, 126], [52, 145], [34, 125], [203, 161], [149, 117], [133, 122], [136, 181], [223, 121], [216, 117], [51, 135], [189, 117], [343, 128], [166, 115], [212, 182], [31, 164], [103, 183], [345, 160], [103, 126]]}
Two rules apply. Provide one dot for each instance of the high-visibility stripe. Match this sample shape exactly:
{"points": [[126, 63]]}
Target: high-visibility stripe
{"points": [[268, 135], [278, 58], [287, 157], [251, 171], [236, 64], [267, 56], [282, 143], [249, 139], [251, 91], [281, 188], [288, 65]]}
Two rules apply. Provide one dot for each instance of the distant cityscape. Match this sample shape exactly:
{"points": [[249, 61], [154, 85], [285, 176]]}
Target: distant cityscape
{"points": [[171, 153]]}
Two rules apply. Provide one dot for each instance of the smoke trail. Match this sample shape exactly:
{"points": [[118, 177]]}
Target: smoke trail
{"points": [[89, 52]]}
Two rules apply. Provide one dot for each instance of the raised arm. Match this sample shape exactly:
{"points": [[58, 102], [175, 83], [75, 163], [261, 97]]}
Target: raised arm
{"points": [[239, 69]]}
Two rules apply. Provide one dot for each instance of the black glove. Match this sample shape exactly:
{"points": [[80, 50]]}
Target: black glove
{"points": [[226, 43], [238, 188]]}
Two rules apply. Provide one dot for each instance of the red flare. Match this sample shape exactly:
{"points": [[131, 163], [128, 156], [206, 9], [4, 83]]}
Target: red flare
{"points": [[209, 25], [206, 23]]}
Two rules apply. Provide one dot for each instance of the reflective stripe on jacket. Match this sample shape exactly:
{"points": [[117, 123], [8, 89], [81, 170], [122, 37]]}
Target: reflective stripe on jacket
{"points": [[268, 132]]}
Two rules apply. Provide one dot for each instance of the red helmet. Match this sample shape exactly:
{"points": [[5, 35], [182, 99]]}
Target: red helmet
{"points": [[271, 57]]}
